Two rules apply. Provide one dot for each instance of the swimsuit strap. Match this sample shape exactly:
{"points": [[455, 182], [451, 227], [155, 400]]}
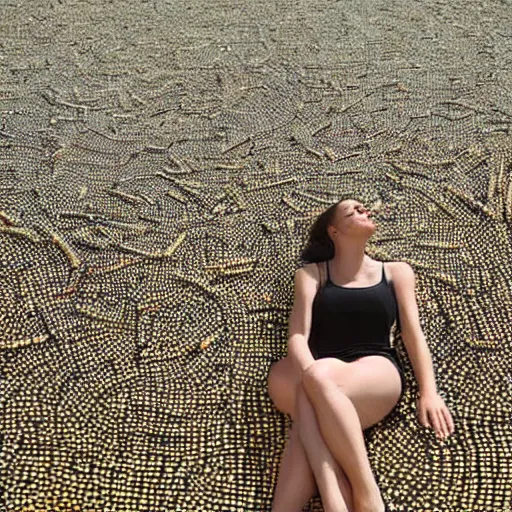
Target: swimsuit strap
{"points": [[382, 279], [320, 275]]}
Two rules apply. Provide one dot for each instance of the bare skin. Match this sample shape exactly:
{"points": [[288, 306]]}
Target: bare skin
{"points": [[332, 401], [335, 387]]}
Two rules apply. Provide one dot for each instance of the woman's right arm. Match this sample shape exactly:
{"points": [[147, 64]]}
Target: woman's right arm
{"points": [[299, 323]]}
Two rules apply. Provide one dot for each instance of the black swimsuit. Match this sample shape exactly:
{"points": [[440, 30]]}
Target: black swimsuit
{"points": [[349, 323]]}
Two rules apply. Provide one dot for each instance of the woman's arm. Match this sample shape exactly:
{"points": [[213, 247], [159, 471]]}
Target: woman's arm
{"points": [[432, 410], [299, 323], [414, 340]]}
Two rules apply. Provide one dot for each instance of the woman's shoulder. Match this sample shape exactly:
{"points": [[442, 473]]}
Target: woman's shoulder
{"points": [[310, 268], [315, 270], [400, 272], [308, 278], [399, 266]]}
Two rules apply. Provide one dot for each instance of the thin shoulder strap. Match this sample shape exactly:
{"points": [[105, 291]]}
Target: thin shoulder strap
{"points": [[327, 267], [383, 274], [321, 274]]}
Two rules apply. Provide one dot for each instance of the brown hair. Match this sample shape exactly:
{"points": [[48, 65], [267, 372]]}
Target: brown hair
{"points": [[320, 247]]}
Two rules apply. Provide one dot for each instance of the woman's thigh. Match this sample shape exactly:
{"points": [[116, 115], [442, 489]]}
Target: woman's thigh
{"points": [[372, 383], [282, 383]]}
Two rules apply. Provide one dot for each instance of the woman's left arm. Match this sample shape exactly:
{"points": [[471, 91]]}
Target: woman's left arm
{"points": [[432, 410]]}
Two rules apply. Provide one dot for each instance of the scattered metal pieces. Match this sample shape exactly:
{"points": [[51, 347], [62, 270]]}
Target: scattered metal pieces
{"points": [[174, 246], [126, 197], [271, 184], [176, 195], [439, 245], [321, 128], [22, 232], [13, 343], [331, 155], [7, 219], [235, 194], [230, 167], [312, 197], [461, 104], [70, 254], [471, 202], [291, 203], [430, 198], [234, 266], [7, 135], [314, 151], [236, 145]]}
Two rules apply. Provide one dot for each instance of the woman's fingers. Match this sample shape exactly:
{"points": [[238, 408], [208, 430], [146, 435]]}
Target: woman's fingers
{"points": [[422, 414], [436, 415], [437, 422], [445, 420], [451, 425], [448, 420], [444, 423]]}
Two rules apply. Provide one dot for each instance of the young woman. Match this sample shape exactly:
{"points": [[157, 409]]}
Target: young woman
{"points": [[341, 374]]}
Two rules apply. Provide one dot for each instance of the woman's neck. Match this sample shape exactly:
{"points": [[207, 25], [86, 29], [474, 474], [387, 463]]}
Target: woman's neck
{"points": [[350, 259]]}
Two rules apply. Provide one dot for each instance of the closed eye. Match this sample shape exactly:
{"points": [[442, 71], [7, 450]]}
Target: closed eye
{"points": [[360, 208]]}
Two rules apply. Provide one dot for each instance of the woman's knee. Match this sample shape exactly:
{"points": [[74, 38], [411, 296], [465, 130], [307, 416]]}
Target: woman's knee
{"points": [[280, 385], [323, 373], [273, 381]]}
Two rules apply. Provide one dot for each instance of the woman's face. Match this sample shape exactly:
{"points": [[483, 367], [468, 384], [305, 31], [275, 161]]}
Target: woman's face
{"points": [[352, 217]]}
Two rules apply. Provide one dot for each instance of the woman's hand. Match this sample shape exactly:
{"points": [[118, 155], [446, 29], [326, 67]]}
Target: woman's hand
{"points": [[432, 412]]}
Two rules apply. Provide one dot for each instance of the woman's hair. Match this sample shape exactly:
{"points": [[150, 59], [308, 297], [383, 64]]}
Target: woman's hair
{"points": [[320, 247]]}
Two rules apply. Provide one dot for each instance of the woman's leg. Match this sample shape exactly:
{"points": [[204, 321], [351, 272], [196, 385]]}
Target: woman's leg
{"points": [[332, 483], [296, 481], [346, 397]]}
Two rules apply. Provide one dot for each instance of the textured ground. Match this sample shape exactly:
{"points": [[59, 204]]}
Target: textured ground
{"points": [[160, 164]]}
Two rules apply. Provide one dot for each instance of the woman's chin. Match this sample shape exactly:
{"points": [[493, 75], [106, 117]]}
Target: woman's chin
{"points": [[370, 226], [371, 230]]}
